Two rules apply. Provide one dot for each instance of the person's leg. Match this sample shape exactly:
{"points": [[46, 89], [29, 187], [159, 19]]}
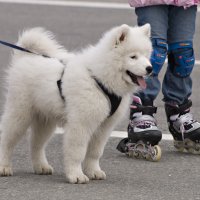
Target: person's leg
{"points": [[177, 83], [142, 125], [157, 17]]}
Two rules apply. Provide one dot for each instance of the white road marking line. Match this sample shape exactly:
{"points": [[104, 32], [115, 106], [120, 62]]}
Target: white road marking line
{"points": [[71, 3], [197, 62], [121, 134], [74, 3]]}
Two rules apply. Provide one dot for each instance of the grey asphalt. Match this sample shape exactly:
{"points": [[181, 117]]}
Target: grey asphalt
{"points": [[176, 176]]}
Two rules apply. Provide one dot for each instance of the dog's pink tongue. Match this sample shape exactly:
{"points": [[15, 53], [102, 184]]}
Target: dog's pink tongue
{"points": [[141, 82]]}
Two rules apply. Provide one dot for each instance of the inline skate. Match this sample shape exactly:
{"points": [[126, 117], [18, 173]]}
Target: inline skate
{"points": [[143, 133], [184, 129]]}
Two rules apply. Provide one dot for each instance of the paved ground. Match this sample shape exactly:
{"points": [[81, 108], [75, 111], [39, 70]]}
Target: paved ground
{"points": [[175, 177]]}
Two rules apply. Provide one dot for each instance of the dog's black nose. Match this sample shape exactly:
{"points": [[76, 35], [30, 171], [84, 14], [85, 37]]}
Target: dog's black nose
{"points": [[149, 69]]}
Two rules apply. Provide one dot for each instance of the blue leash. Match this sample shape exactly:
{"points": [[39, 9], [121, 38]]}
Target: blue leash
{"points": [[20, 48]]}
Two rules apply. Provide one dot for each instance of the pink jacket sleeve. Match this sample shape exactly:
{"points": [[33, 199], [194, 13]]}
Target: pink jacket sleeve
{"points": [[184, 3]]}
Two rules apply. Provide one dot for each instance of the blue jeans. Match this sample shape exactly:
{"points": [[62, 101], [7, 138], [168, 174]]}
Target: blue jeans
{"points": [[173, 24]]}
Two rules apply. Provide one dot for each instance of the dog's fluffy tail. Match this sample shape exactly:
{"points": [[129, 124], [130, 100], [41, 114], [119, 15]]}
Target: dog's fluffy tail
{"points": [[40, 41]]}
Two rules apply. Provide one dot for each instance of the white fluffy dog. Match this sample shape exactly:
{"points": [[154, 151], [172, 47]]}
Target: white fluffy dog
{"points": [[86, 93]]}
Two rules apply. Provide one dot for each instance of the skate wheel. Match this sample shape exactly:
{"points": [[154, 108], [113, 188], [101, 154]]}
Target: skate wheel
{"points": [[129, 154], [188, 143], [181, 149], [136, 154], [179, 146], [197, 148], [191, 150], [158, 153], [189, 146], [147, 157]]}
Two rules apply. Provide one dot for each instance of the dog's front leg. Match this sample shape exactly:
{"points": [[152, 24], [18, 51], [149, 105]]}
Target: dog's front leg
{"points": [[98, 142], [75, 146], [94, 152]]}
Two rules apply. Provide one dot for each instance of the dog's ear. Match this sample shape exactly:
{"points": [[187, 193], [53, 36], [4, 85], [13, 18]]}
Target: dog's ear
{"points": [[146, 29], [122, 33]]}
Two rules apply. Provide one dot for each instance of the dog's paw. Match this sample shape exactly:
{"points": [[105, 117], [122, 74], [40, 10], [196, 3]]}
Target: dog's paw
{"points": [[77, 178], [43, 169], [6, 171], [96, 174]]}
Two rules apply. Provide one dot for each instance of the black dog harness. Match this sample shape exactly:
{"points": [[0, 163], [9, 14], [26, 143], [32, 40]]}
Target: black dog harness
{"points": [[114, 99]]}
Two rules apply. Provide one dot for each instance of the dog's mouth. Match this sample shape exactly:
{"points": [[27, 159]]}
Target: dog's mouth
{"points": [[138, 80]]}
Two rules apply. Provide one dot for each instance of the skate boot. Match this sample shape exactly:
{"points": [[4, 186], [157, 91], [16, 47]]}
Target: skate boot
{"points": [[184, 129], [143, 133]]}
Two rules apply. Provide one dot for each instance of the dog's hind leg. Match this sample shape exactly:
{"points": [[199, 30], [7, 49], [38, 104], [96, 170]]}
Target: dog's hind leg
{"points": [[41, 132], [14, 125]]}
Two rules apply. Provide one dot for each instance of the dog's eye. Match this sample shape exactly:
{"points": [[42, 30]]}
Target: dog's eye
{"points": [[133, 57]]}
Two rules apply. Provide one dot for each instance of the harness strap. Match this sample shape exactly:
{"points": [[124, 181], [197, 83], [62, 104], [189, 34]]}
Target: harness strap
{"points": [[59, 84], [115, 100], [149, 110], [174, 109]]}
